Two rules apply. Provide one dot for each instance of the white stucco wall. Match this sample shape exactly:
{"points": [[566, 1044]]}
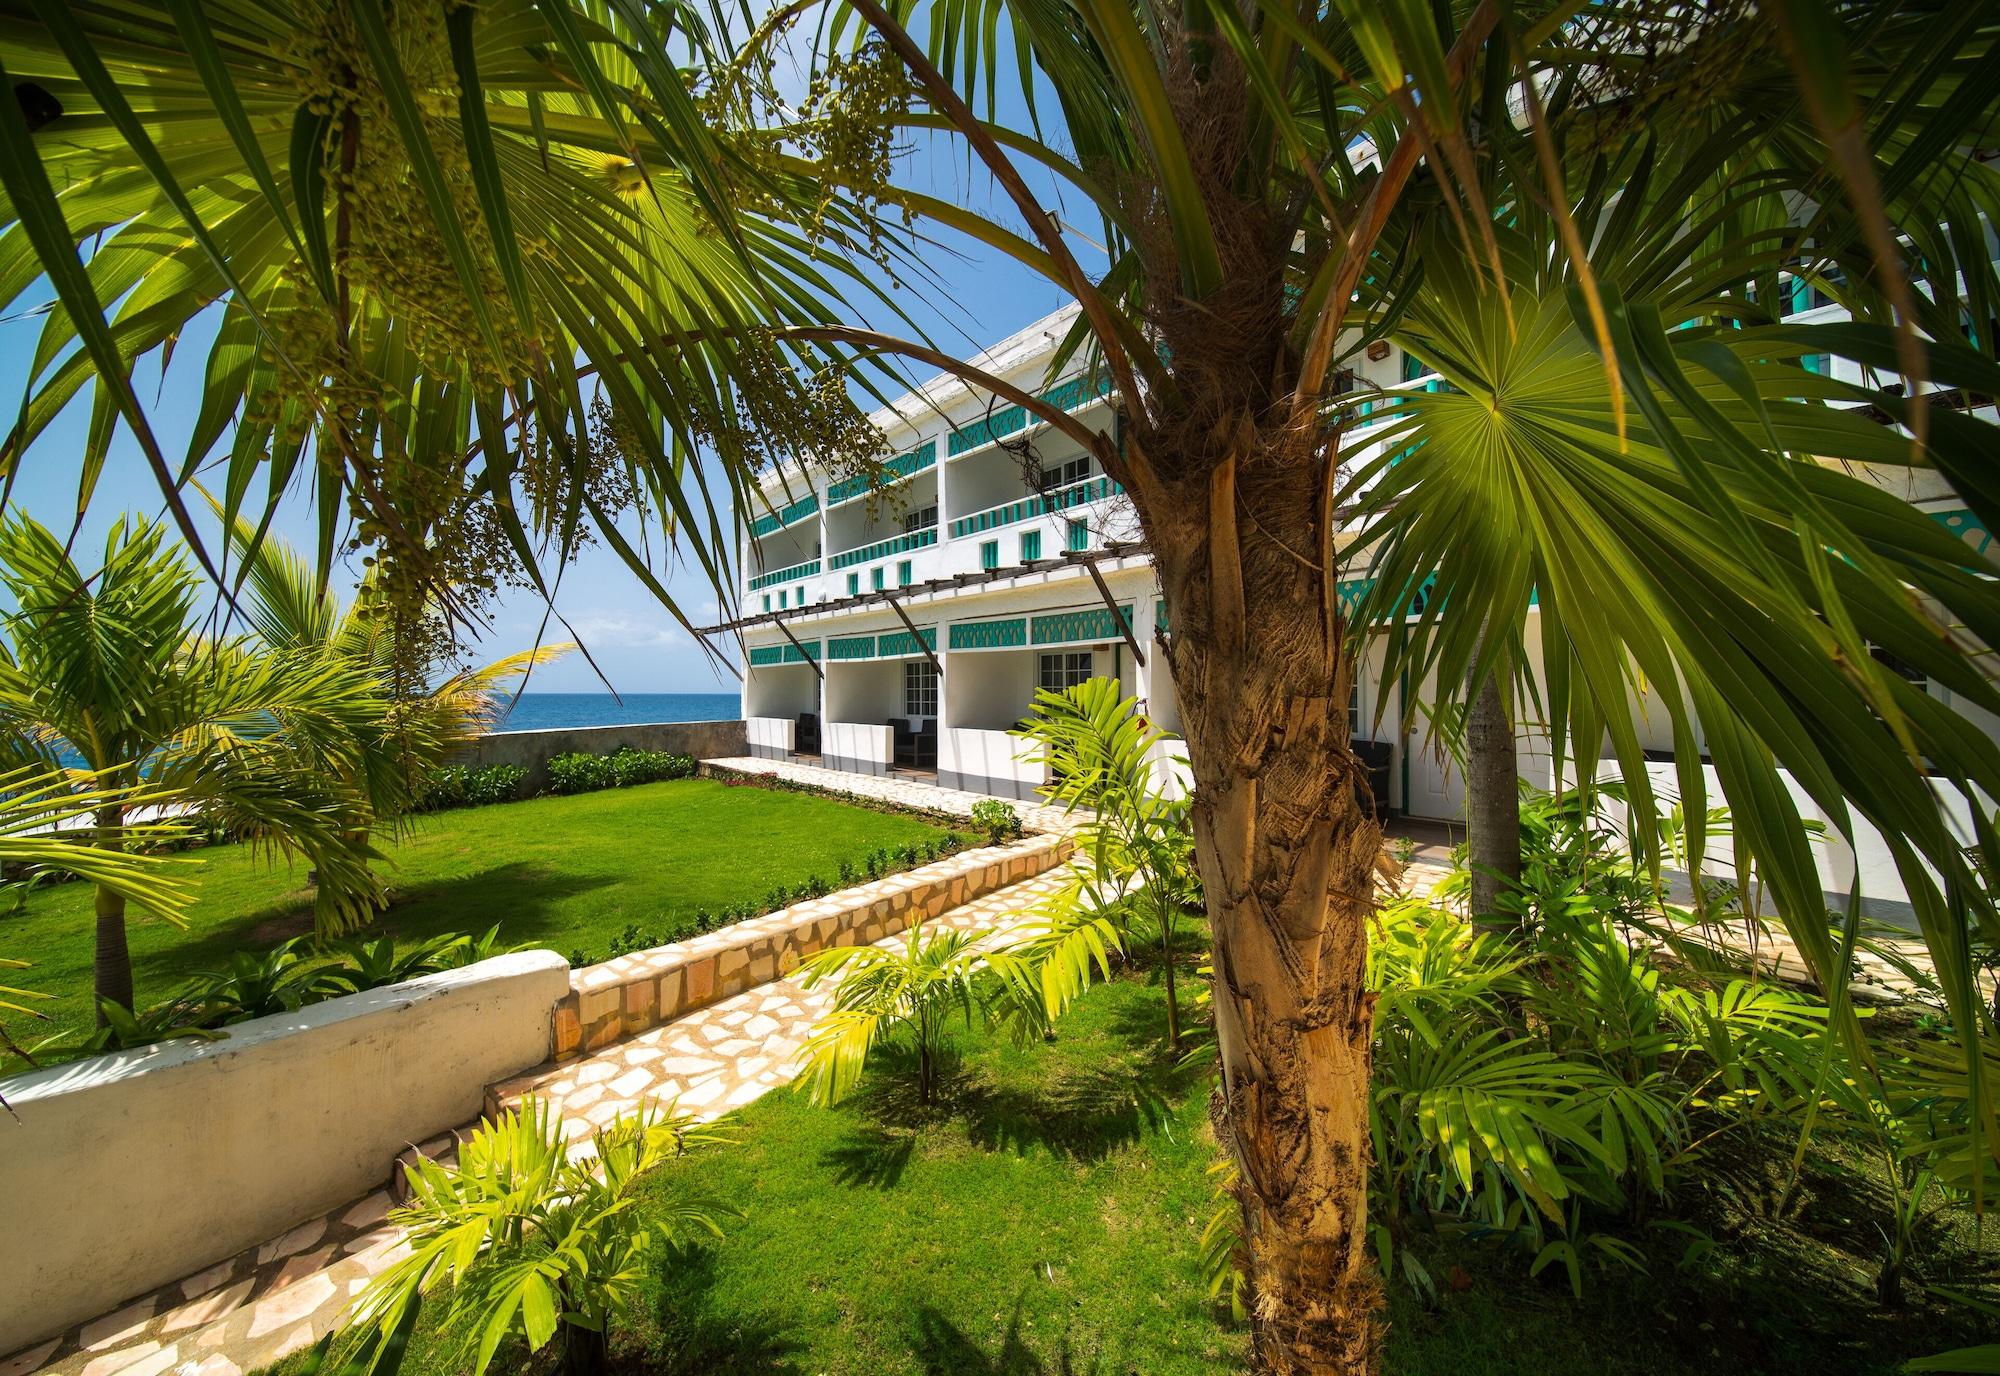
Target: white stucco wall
{"points": [[124, 1172], [770, 737]]}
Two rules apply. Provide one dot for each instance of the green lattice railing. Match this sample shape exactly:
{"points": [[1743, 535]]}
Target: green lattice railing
{"points": [[882, 549], [776, 576], [772, 522], [1066, 396], [1028, 508], [902, 466]]}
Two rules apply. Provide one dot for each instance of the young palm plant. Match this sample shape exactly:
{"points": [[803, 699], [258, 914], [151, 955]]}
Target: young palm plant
{"points": [[908, 992], [107, 665], [1134, 863], [531, 1244]]}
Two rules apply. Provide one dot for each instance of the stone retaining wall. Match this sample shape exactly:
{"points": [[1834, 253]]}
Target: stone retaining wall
{"points": [[623, 997], [532, 750]]}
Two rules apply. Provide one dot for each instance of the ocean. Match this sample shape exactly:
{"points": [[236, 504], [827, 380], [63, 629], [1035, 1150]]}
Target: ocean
{"points": [[545, 711]]}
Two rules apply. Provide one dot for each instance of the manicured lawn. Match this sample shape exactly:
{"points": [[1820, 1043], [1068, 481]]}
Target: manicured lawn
{"points": [[1045, 1221], [564, 873]]}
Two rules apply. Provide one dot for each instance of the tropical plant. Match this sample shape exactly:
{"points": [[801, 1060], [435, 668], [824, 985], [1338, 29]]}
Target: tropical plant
{"points": [[531, 1244], [1530, 201], [909, 992], [457, 785], [578, 772], [291, 612], [998, 820], [107, 665], [1134, 859]]}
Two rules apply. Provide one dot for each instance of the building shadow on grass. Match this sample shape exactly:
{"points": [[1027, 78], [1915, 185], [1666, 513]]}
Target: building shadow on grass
{"points": [[697, 1338], [942, 1348]]}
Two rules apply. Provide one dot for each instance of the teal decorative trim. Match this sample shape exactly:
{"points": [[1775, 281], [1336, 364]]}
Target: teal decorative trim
{"points": [[765, 580], [1064, 396], [1093, 623], [901, 544], [990, 635], [1028, 508], [902, 466], [851, 647], [1967, 527], [902, 645], [1160, 616], [772, 522], [1352, 590], [795, 655], [762, 655]]}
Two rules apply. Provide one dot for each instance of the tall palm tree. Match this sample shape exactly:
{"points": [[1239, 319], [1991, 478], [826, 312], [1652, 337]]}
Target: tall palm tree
{"points": [[106, 666], [1579, 214]]}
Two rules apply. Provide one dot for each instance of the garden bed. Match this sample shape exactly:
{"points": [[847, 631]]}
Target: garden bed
{"points": [[578, 875]]}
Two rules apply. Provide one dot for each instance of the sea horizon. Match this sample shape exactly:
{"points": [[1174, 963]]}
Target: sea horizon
{"points": [[546, 711]]}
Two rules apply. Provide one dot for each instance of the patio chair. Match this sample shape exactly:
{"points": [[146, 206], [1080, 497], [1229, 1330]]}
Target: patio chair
{"points": [[1375, 757]]}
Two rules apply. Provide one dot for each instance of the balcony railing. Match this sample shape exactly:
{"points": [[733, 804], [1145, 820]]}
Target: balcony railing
{"points": [[796, 571], [882, 549], [1028, 508]]}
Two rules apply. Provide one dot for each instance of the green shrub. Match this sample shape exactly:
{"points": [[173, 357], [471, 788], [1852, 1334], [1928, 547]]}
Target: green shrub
{"points": [[577, 772], [998, 820], [456, 785], [847, 872], [631, 765]]}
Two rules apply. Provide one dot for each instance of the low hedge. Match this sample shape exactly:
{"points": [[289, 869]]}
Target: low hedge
{"points": [[457, 785], [577, 772]]}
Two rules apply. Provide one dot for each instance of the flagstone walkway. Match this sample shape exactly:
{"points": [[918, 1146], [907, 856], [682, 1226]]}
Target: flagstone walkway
{"points": [[892, 788], [272, 1300]]}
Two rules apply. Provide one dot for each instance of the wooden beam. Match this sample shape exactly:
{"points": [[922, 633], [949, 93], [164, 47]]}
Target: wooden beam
{"points": [[805, 653], [1124, 625], [915, 634]]}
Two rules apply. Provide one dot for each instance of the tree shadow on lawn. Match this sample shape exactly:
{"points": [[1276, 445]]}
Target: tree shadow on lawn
{"points": [[697, 1339], [942, 1348], [1082, 1115], [521, 897]]}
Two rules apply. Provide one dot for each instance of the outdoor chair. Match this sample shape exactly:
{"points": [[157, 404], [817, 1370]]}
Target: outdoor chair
{"points": [[1375, 757]]}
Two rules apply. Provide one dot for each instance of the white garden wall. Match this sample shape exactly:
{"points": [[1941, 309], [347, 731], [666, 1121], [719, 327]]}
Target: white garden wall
{"points": [[127, 1171]]}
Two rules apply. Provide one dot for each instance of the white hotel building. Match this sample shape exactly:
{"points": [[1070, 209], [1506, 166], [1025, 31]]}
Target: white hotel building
{"points": [[907, 632]]}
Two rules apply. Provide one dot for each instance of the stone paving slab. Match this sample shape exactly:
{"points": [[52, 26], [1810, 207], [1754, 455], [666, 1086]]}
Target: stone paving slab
{"points": [[899, 791], [275, 1299]]}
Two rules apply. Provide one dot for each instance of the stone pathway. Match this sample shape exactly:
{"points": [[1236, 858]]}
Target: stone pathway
{"points": [[272, 1300], [893, 789], [723, 1056]]}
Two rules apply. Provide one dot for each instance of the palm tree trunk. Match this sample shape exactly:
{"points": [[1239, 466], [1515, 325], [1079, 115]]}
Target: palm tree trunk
{"points": [[585, 1351], [1493, 801], [1287, 861], [114, 956]]}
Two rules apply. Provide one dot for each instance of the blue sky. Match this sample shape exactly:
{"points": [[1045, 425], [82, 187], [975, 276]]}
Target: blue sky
{"points": [[984, 296]]}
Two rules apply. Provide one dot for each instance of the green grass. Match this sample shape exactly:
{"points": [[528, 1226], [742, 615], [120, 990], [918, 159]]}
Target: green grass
{"points": [[562, 873], [1044, 1221], [1045, 1218]]}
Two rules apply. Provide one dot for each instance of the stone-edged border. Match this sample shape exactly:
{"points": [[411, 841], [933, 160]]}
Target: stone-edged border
{"points": [[626, 996]]}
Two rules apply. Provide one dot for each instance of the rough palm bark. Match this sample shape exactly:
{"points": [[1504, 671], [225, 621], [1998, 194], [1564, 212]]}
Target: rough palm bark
{"points": [[1493, 801], [113, 964], [1288, 859]]}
